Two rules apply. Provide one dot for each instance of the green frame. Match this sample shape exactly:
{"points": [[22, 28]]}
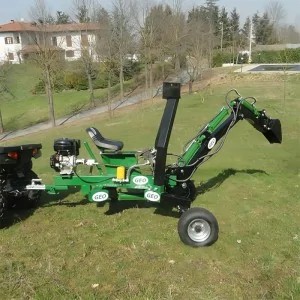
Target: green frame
{"points": [[106, 181]]}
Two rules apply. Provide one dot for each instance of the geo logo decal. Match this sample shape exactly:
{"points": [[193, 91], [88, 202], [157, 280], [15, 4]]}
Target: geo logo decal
{"points": [[211, 143], [152, 196], [100, 196], [140, 180]]}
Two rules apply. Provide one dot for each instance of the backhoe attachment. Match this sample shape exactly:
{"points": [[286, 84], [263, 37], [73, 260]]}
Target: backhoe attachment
{"points": [[210, 139]]}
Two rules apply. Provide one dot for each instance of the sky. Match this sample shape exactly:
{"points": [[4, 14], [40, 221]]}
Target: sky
{"points": [[18, 9]]}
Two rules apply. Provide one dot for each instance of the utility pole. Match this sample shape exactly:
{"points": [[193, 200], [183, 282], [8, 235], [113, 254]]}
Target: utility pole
{"points": [[250, 42]]}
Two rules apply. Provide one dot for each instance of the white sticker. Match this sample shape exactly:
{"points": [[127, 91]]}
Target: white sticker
{"points": [[211, 143], [140, 180], [100, 196], [152, 196]]}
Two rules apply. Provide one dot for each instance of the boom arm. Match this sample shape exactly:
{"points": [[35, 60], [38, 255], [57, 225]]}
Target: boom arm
{"points": [[205, 143]]}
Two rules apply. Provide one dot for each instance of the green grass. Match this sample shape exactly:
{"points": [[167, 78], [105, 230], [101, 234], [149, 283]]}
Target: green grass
{"points": [[63, 248], [23, 109]]}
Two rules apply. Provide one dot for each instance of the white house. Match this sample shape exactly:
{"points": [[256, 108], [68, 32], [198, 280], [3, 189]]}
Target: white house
{"points": [[17, 38]]}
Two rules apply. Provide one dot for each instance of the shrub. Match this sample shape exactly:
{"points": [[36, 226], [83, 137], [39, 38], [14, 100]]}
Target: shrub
{"points": [[131, 68], [220, 58], [101, 81], [39, 88], [282, 56], [76, 80]]}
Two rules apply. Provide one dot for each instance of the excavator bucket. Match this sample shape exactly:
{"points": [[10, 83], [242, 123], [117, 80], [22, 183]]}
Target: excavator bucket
{"points": [[273, 133]]}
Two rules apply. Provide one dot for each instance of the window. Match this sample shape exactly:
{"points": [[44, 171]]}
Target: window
{"points": [[69, 53], [69, 40], [84, 41], [54, 41], [8, 40], [18, 39], [10, 56]]}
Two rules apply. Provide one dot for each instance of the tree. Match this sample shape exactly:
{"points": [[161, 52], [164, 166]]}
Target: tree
{"points": [[289, 34], [276, 13], [157, 29], [235, 31], [213, 14], [179, 32], [209, 14], [43, 53], [234, 24], [100, 15], [198, 13], [196, 50], [106, 50], [62, 18], [122, 35], [85, 11], [245, 33], [225, 28], [147, 24], [263, 29]]}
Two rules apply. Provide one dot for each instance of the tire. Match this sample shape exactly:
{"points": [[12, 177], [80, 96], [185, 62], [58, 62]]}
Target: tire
{"points": [[3, 205], [197, 227]]}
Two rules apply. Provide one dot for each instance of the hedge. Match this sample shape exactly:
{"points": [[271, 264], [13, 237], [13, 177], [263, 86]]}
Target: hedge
{"points": [[281, 56], [288, 56]]}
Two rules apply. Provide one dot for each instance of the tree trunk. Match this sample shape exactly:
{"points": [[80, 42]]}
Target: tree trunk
{"points": [[109, 99], [1, 123], [151, 82], [91, 89], [121, 80], [146, 76], [151, 75], [191, 86], [163, 70], [50, 96], [177, 63]]}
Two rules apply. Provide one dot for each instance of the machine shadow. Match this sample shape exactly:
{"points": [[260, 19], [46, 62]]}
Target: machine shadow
{"points": [[116, 207], [165, 210], [16, 214], [57, 200], [216, 181]]}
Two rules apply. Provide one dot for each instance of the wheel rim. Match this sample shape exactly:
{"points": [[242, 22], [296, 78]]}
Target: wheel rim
{"points": [[199, 230]]}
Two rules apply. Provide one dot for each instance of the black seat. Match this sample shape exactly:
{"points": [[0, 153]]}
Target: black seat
{"points": [[103, 143]]}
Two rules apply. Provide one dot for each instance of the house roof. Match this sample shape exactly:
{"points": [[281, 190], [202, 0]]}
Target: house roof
{"points": [[26, 26], [16, 27], [73, 27]]}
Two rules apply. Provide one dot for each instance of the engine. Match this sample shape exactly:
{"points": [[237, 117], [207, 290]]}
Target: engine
{"points": [[65, 158]]}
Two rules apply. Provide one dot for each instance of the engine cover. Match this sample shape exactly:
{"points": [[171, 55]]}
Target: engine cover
{"points": [[66, 147]]}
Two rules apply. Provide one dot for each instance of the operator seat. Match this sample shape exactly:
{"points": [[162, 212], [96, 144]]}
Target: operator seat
{"points": [[101, 142]]}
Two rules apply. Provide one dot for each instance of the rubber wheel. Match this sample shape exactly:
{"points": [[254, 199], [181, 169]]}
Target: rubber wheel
{"points": [[31, 200], [197, 227], [2, 205]]}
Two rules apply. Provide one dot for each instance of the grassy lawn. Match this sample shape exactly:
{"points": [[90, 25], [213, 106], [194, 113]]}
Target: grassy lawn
{"points": [[22, 108], [71, 249]]}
